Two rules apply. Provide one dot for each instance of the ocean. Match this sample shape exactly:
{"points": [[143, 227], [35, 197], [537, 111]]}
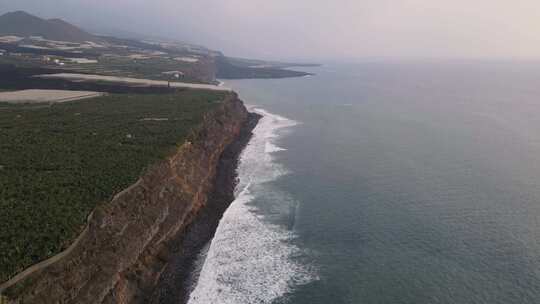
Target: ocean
{"points": [[411, 182]]}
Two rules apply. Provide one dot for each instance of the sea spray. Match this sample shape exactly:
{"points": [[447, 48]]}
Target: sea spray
{"points": [[251, 260]]}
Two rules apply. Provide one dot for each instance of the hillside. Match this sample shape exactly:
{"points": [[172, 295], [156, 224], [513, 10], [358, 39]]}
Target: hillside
{"points": [[23, 24], [121, 57]]}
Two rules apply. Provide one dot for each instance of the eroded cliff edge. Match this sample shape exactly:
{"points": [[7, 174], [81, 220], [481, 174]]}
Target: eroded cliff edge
{"points": [[127, 243]]}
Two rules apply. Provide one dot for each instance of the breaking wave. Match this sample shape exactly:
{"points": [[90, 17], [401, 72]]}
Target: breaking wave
{"points": [[250, 259]]}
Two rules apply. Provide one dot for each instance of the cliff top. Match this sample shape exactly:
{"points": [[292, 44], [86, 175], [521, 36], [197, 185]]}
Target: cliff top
{"points": [[59, 161]]}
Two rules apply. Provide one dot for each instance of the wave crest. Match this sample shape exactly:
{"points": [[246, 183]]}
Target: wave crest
{"points": [[251, 260]]}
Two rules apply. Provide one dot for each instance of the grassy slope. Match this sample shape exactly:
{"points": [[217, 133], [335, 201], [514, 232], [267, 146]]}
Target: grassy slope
{"points": [[58, 162]]}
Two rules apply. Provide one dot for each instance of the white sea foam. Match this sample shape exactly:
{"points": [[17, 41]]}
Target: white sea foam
{"points": [[271, 148], [251, 260]]}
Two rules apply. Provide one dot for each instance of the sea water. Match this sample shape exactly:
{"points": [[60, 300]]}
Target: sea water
{"points": [[379, 182]]}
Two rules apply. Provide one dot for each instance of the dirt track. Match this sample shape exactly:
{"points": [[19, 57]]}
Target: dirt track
{"points": [[134, 81]]}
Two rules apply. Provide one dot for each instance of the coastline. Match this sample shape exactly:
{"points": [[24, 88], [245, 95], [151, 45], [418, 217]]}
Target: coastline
{"points": [[198, 180], [175, 283]]}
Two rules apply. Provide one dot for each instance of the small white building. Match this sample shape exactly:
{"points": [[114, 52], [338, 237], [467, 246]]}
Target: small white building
{"points": [[82, 60], [59, 62], [175, 74]]}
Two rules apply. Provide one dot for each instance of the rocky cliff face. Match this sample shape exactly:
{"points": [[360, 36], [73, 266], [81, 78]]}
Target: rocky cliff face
{"points": [[125, 248]]}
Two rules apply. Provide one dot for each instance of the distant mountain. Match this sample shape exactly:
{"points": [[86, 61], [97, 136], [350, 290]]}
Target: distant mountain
{"points": [[23, 24]]}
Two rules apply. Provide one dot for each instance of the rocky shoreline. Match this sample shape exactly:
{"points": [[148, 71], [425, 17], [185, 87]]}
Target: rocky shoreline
{"points": [[176, 281]]}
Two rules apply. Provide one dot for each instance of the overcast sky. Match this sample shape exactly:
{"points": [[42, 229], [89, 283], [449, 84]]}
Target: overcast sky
{"points": [[319, 29]]}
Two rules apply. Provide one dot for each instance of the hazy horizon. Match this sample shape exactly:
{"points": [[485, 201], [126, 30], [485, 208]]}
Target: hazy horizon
{"points": [[318, 30]]}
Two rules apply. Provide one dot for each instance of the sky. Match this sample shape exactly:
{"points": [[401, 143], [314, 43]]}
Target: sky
{"points": [[318, 29]]}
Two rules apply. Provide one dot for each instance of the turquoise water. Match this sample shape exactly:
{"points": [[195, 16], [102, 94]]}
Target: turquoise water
{"points": [[398, 183]]}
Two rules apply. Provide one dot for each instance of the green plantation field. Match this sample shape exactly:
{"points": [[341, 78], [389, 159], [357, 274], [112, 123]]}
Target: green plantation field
{"points": [[155, 68], [150, 68], [57, 162]]}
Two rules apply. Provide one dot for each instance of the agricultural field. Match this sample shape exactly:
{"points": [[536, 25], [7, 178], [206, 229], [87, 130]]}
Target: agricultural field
{"points": [[45, 96], [157, 67], [151, 67], [57, 162]]}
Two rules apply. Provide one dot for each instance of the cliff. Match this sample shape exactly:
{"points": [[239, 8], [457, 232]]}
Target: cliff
{"points": [[127, 242]]}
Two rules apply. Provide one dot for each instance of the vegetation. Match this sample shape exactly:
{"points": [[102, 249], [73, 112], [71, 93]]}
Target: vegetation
{"points": [[57, 162], [23, 61], [122, 66], [245, 62], [148, 68], [19, 78], [235, 69]]}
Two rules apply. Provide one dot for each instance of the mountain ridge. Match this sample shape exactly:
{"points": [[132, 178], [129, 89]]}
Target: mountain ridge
{"points": [[23, 24]]}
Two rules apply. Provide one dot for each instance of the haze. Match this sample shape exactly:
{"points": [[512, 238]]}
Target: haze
{"points": [[318, 29]]}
